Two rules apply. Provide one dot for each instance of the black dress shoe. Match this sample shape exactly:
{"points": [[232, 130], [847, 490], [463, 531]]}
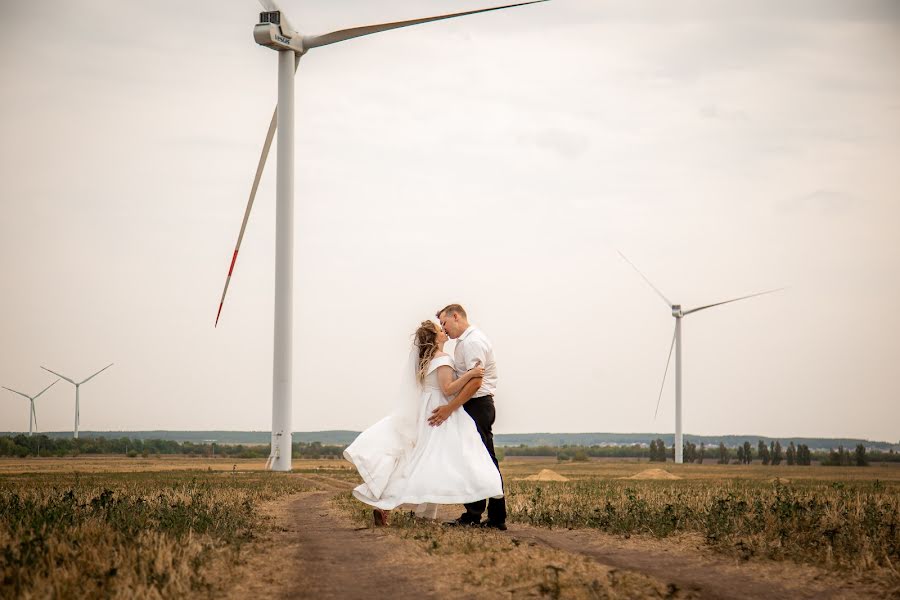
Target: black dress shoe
{"points": [[493, 525]]}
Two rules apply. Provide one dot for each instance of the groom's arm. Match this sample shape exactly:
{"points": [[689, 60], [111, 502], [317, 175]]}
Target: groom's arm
{"points": [[442, 413]]}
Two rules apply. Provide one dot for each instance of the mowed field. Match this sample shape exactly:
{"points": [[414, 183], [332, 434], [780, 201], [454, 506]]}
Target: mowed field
{"points": [[168, 527], [516, 466]]}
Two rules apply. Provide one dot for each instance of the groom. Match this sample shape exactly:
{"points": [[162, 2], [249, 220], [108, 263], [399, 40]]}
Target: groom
{"points": [[476, 398]]}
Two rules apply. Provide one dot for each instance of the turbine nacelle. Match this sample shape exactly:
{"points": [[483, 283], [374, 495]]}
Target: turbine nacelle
{"points": [[676, 311], [273, 33]]}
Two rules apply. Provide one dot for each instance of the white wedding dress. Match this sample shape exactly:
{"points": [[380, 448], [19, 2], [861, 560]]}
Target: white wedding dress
{"points": [[447, 464]]}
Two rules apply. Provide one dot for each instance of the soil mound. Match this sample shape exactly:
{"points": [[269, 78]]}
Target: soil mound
{"points": [[546, 475], [653, 474]]}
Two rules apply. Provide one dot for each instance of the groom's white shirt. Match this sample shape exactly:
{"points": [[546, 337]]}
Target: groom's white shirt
{"points": [[471, 347]]}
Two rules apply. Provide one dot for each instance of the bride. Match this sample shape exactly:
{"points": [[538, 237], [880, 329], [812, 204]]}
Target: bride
{"points": [[404, 460]]}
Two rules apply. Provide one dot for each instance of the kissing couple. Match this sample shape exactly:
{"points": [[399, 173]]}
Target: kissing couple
{"points": [[427, 452]]}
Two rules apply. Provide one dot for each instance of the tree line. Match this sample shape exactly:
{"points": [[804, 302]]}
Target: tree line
{"points": [[774, 453], [41, 445], [771, 454]]}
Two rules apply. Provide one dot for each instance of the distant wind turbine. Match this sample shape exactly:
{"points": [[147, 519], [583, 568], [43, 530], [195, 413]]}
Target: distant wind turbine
{"points": [[78, 385], [678, 313], [275, 31], [32, 417]]}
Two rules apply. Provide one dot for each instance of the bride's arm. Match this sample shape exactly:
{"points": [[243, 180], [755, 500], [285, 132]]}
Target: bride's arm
{"points": [[451, 387]]}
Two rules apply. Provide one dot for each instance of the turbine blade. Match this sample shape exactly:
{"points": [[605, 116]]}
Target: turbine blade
{"points": [[34, 414], [699, 308], [314, 41], [15, 392], [97, 373], [666, 372], [45, 389], [58, 375], [666, 300], [270, 134]]}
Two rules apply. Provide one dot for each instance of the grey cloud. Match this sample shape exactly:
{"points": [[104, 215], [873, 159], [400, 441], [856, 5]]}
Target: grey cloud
{"points": [[567, 144], [712, 111], [825, 202]]}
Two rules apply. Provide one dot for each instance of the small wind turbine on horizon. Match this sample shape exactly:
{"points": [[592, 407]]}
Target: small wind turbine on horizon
{"points": [[679, 314], [276, 32], [77, 385], [32, 417]]}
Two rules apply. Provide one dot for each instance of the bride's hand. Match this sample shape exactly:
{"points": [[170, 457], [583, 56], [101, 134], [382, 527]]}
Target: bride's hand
{"points": [[476, 371]]}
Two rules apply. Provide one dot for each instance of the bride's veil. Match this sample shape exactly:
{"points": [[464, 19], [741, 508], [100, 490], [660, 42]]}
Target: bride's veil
{"points": [[406, 408], [406, 416]]}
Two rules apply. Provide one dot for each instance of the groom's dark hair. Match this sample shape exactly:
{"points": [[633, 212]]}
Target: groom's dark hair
{"points": [[452, 308]]}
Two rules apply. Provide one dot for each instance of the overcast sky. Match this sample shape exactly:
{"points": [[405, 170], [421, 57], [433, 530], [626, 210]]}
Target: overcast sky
{"points": [[497, 160]]}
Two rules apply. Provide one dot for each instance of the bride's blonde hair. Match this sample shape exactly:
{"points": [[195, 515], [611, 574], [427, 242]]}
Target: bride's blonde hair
{"points": [[425, 340]]}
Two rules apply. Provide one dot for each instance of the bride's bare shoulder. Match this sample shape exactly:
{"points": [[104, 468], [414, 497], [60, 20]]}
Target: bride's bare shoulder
{"points": [[440, 354]]}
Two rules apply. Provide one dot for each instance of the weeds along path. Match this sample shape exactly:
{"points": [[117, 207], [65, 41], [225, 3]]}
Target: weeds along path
{"points": [[695, 570]]}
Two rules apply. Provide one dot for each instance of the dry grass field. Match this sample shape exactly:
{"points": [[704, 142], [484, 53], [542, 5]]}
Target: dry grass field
{"points": [[171, 527]]}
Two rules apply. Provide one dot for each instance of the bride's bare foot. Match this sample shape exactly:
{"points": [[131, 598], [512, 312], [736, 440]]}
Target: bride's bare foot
{"points": [[381, 517]]}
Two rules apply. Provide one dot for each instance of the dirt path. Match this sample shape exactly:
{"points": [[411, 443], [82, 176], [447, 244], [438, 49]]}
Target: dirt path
{"points": [[331, 484], [317, 552], [334, 559]]}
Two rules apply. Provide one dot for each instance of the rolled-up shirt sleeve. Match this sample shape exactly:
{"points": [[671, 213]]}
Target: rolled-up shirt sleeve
{"points": [[474, 351]]}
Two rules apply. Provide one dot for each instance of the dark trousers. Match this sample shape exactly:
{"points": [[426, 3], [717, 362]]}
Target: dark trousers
{"points": [[482, 411]]}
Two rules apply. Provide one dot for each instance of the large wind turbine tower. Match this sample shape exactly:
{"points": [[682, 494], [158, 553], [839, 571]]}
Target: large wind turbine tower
{"points": [[679, 314], [276, 32], [78, 385], [32, 417]]}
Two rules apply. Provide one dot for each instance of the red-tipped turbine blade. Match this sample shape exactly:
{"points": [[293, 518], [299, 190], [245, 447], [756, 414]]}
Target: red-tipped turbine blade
{"points": [[259, 170], [270, 134]]}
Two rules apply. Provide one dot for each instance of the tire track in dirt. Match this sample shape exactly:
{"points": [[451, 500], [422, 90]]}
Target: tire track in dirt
{"points": [[700, 573]]}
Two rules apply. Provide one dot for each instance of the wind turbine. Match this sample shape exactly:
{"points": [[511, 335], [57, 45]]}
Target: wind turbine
{"points": [[78, 385], [32, 418], [276, 32], [679, 314]]}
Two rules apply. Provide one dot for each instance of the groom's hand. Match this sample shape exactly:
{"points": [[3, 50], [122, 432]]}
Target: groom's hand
{"points": [[439, 415]]}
